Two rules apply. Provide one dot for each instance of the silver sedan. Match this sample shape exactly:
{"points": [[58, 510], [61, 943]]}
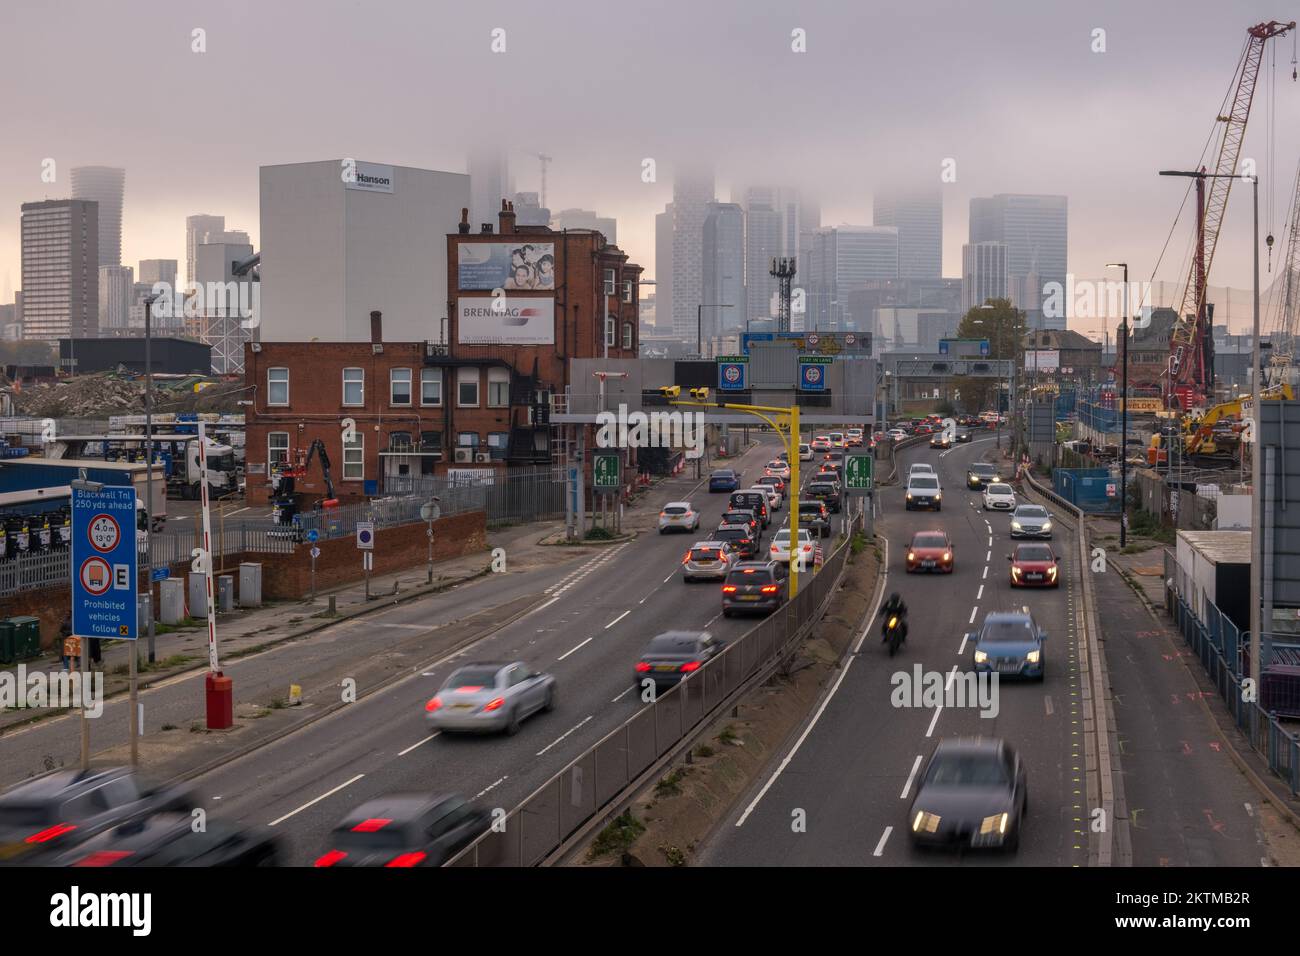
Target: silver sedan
{"points": [[490, 697]]}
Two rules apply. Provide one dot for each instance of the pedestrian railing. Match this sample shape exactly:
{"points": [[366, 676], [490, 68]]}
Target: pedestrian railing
{"points": [[597, 779]]}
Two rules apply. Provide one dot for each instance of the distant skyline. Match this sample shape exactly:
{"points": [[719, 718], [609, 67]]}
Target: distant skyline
{"points": [[1013, 95]]}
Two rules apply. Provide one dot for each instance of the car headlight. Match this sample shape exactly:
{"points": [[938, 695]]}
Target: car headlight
{"points": [[911, 556], [909, 496], [996, 823], [1051, 573], [1047, 526], [1015, 526], [1015, 572], [938, 495], [1033, 656], [980, 657], [925, 822]]}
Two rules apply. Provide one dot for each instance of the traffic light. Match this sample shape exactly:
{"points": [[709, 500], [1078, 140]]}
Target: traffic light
{"points": [[670, 391], [700, 394]]}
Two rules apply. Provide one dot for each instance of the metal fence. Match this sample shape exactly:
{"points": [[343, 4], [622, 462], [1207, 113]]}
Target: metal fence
{"points": [[592, 781], [30, 572], [1220, 645], [518, 495]]}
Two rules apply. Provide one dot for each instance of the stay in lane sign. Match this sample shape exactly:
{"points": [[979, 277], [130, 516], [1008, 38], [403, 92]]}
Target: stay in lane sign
{"points": [[104, 563]]}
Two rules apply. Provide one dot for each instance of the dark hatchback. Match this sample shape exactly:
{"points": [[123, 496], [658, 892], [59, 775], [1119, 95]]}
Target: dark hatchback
{"points": [[973, 793], [753, 586], [827, 492], [754, 501], [724, 479], [675, 655], [169, 839], [815, 516], [743, 517], [739, 537], [980, 474], [405, 830]]}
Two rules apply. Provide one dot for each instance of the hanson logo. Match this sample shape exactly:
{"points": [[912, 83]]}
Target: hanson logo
{"points": [[370, 177]]}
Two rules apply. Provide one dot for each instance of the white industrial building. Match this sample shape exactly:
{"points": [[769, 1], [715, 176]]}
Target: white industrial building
{"points": [[343, 238]]}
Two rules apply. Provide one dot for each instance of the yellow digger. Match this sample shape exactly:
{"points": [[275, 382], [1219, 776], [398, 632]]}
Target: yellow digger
{"points": [[1199, 435]]}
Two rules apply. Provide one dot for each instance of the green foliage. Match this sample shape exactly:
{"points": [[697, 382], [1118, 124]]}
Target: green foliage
{"points": [[619, 835]]}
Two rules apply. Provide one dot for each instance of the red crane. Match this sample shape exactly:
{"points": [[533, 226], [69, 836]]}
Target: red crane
{"points": [[1191, 362]]}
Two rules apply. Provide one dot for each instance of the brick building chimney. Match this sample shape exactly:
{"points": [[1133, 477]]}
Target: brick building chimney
{"points": [[507, 217], [376, 328]]}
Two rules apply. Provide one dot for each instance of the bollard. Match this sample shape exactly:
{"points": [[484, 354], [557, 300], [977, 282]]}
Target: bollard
{"points": [[220, 700], [332, 610]]}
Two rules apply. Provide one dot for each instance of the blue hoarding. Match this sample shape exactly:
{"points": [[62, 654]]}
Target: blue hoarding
{"points": [[104, 557]]}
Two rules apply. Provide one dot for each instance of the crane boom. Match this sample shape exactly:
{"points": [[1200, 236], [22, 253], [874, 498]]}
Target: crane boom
{"points": [[1187, 359], [1289, 306]]}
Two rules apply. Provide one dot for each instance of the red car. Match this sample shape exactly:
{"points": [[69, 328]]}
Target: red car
{"points": [[930, 551], [1034, 566]]}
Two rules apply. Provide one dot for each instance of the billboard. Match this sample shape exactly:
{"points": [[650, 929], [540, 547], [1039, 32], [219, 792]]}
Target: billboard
{"points": [[506, 265], [509, 320], [1042, 360]]}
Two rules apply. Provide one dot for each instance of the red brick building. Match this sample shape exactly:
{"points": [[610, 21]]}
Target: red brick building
{"points": [[524, 301]]}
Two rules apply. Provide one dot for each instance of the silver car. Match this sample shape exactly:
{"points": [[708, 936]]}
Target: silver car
{"points": [[1031, 521], [489, 697], [678, 516], [708, 560]]}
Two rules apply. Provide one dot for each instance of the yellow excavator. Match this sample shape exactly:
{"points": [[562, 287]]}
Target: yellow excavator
{"points": [[1199, 434]]}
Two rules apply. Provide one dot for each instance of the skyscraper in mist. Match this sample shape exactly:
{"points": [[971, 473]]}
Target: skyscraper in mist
{"points": [[723, 269], [693, 191], [105, 185], [918, 216], [490, 181], [1034, 230], [197, 229]]}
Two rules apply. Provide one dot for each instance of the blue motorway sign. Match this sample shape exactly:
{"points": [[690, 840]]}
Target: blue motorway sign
{"points": [[812, 372], [104, 557], [731, 372]]}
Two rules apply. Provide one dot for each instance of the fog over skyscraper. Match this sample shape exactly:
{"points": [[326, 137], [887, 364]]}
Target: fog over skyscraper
{"points": [[1034, 230], [693, 190], [918, 215], [105, 185]]}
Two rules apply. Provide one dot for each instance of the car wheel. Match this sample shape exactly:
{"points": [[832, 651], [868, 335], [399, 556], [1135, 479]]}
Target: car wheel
{"points": [[1013, 845], [550, 700], [512, 725], [726, 612]]}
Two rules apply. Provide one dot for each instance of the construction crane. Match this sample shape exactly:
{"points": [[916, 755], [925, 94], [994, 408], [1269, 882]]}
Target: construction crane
{"points": [[1191, 364], [1284, 323]]}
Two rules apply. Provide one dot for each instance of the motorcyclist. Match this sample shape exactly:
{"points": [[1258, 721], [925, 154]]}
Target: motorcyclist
{"points": [[893, 606]]}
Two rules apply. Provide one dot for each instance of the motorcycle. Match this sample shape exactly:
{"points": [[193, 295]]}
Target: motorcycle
{"points": [[895, 633]]}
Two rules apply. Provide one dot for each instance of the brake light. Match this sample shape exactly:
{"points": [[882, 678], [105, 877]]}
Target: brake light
{"points": [[690, 666], [330, 858], [52, 833], [406, 859], [728, 588], [469, 690], [433, 704], [102, 858], [769, 589], [642, 666], [494, 703], [686, 557], [373, 825]]}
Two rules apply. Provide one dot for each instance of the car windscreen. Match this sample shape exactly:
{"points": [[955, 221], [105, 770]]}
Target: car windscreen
{"points": [[811, 507], [473, 677], [673, 644], [738, 517], [1008, 630], [1000, 490], [952, 770], [981, 469], [674, 510], [390, 837], [1031, 511], [1036, 552], [750, 576], [724, 474], [821, 488], [929, 541], [705, 554], [925, 482], [731, 534]]}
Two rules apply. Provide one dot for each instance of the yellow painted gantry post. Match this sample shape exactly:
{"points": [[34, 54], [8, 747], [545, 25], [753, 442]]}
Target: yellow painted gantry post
{"points": [[785, 422]]}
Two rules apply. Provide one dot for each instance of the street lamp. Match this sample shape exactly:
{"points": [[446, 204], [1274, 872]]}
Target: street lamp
{"points": [[1256, 371], [699, 337], [1123, 429], [149, 300]]}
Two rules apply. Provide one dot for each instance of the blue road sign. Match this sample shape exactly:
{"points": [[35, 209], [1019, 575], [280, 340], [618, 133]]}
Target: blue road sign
{"points": [[104, 558], [731, 372], [812, 372], [159, 574], [312, 535]]}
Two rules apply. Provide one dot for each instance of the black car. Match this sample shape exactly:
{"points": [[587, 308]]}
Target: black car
{"points": [[979, 474], [826, 492], [753, 586], [815, 516], [743, 516], [739, 537], [675, 655], [169, 839], [42, 818], [754, 501], [831, 470], [963, 435], [973, 793], [404, 830]]}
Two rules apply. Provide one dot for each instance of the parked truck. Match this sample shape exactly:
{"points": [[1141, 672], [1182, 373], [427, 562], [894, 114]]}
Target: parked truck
{"points": [[177, 453]]}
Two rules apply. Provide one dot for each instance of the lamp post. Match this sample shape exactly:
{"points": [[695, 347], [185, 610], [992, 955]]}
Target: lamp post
{"points": [[148, 465], [1256, 371], [1123, 428]]}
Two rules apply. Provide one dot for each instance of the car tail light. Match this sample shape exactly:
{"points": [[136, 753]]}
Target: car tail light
{"points": [[469, 689], [406, 859], [52, 833], [494, 703], [373, 825], [102, 858], [769, 588], [330, 858], [686, 557], [433, 704], [690, 666], [642, 666], [772, 549], [728, 589]]}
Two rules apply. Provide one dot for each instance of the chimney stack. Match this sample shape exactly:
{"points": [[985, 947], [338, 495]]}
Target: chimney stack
{"points": [[507, 218], [463, 228], [376, 328]]}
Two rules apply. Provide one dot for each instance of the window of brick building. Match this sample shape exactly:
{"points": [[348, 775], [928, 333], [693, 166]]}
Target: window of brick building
{"points": [[354, 457], [430, 386], [399, 386], [467, 387], [498, 387], [277, 386], [277, 448], [354, 386]]}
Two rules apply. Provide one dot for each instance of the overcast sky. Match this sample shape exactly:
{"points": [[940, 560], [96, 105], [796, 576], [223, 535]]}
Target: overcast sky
{"points": [[1009, 89]]}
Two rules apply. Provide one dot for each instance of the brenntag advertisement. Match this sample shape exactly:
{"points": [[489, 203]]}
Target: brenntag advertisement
{"points": [[506, 320]]}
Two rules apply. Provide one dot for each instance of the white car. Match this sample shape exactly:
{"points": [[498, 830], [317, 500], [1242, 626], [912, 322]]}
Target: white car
{"points": [[897, 434], [805, 452], [921, 468], [821, 443], [999, 497], [779, 468], [779, 550], [678, 516], [774, 497], [708, 560], [923, 491]]}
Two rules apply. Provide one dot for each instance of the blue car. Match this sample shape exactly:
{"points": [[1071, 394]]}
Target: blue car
{"points": [[724, 479], [1010, 644]]}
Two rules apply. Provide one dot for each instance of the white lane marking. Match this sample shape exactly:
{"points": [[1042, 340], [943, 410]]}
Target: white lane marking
{"points": [[572, 649], [1047, 704], [407, 627], [990, 541], [973, 612], [910, 777], [785, 762], [962, 649], [988, 556], [617, 619], [565, 734], [328, 793], [984, 576], [1250, 811], [981, 593], [880, 847], [934, 720], [670, 577], [419, 744], [546, 605], [490, 786], [236, 511], [624, 694]]}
